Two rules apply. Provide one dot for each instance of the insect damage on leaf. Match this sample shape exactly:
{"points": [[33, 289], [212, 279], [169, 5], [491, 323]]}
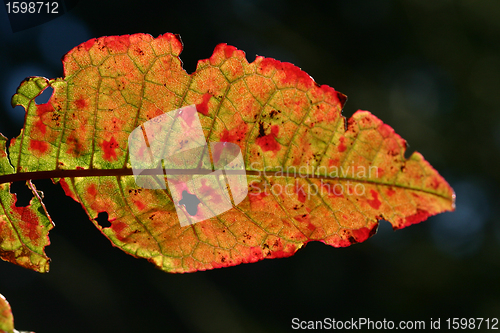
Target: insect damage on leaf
{"points": [[311, 176]]}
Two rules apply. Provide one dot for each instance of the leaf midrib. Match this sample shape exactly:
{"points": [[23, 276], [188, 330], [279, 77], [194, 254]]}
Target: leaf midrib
{"points": [[33, 175]]}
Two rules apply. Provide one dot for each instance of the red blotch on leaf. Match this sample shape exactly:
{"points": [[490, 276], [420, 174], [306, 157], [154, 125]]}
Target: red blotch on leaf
{"points": [[223, 263], [39, 146], [268, 142], [379, 173], [80, 103], [280, 254], [188, 115], [217, 151], [435, 183], [257, 197], [333, 162], [277, 250], [118, 44], [305, 221], [108, 148], [342, 146], [340, 242], [75, 148], [292, 73], [118, 228], [333, 189], [375, 202], [229, 50], [220, 147], [29, 222], [88, 44], [40, 126], [385, 130], [67, 189], [390, 192], [92, 190], [178, 185], [301, 193], [139, 204], [419, 216], [203, 106], [254, 255], [270, 64], [363, 234], [207, 190], [41, 110], [236, 135]]}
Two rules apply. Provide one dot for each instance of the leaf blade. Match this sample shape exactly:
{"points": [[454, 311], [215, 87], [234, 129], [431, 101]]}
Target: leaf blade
{"points": [[6, 318], [23, 230], [280, 118]]}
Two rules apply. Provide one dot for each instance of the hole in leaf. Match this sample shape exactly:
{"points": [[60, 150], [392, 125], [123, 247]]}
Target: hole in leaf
{"points": [[408, 151], [191, 202], [103, 220], [44, 96], [7, 150], [23, 193], [11, 126]]}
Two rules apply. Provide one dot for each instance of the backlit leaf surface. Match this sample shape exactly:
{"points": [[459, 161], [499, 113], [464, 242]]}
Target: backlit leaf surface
{"points": [[313, 187], [23, 230], [6, 318]]}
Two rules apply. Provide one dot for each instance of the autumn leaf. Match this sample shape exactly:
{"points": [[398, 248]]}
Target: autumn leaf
{"points": [[6, 318], [311, 176], [23, 230]]}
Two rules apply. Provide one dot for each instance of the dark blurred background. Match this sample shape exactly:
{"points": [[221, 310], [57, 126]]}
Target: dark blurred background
{"points": [[428, 68]]}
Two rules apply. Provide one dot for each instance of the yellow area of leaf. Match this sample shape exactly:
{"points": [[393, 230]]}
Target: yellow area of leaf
{"points": [[311, 176]]}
